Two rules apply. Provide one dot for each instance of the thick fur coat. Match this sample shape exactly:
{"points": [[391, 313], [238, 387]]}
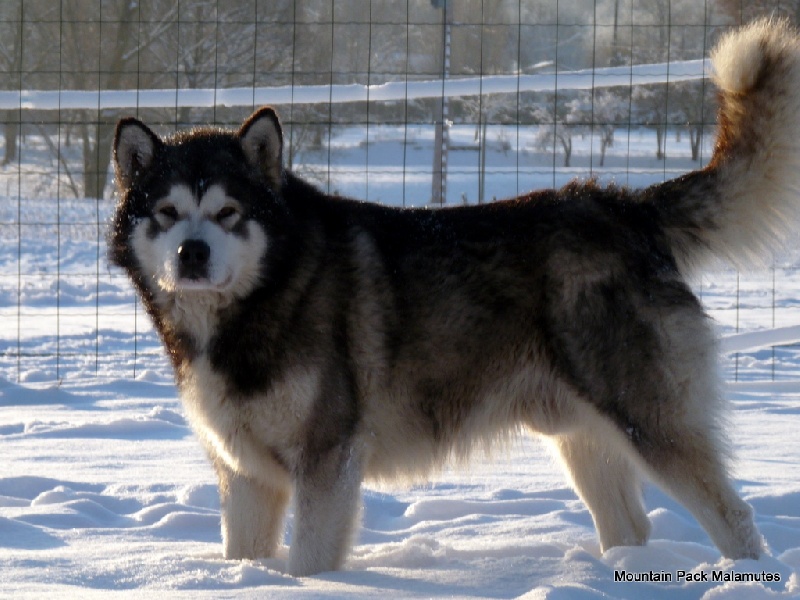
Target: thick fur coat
{"points": [[318, 341]]}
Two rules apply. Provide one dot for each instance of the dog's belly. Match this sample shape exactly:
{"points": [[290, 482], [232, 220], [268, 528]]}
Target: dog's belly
{"points": [[403, 435], [410, 434]]}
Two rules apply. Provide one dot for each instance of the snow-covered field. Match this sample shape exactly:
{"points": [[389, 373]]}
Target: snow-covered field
{"points": [[104, 491]]}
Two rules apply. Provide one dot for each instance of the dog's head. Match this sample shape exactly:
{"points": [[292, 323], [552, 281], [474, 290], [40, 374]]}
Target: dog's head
{"points": [[193, 208]]}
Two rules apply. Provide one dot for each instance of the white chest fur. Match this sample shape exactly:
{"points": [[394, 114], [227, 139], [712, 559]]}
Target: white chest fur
{"points": [[248, 433]]}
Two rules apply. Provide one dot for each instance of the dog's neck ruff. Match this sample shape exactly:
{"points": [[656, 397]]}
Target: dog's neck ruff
{"points": [[195, 313]]}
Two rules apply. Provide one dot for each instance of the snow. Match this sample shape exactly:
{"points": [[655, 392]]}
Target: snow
{"points": [[105, 488], [105, 492]]}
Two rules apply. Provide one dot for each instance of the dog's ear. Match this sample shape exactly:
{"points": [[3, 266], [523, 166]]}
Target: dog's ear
{"points": [[135, 146], [262, 141]]}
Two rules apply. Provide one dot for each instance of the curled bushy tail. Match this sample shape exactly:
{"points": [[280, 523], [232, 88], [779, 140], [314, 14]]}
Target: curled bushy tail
{"points": [[746, 203]]}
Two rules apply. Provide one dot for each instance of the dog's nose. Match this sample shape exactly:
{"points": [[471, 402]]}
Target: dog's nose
{"points": [[194, 254]]}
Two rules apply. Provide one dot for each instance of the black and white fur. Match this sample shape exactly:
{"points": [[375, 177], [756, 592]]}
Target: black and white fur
{"points": [[318, 341]]}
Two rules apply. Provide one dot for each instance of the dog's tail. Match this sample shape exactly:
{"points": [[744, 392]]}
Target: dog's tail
{"points": [[746, 203]]}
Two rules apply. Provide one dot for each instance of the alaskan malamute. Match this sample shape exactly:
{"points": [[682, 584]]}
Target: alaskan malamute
{"points": [[318, 341]]}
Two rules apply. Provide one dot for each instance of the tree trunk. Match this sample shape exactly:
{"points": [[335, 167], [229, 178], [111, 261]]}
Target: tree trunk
{"points": [[696, 139], [11, 136], [603, 146], [97, 134], [97, 155], [606, 140], [660, 142], [566, 144]]}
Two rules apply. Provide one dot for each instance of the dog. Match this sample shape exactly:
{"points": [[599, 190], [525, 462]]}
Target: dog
{"points": [[318, 341]]}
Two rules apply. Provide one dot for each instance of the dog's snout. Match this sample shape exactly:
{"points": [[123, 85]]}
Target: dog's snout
{"points": [[193, 256], [194, 252]]}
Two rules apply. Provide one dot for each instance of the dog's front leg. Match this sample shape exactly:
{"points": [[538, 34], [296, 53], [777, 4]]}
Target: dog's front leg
{"points": [[252, 514], [327, 498]]}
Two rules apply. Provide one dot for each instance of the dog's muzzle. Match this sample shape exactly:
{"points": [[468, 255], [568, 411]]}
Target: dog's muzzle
{"points": [[193, 259]]}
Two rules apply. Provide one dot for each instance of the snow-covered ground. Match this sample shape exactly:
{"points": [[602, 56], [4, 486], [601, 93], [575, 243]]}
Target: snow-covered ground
{"points": [[104, 491]]}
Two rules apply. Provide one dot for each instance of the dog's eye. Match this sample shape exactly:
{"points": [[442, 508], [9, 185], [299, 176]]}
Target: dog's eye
{"points": [[168, 213], [226, 213], [166, 216]]}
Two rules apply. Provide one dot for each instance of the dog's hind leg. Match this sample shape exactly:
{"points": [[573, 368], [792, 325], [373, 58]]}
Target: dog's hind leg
{"points": [[687, 464], [252, 514], [677, 428], [609, 484], [646, 362]]}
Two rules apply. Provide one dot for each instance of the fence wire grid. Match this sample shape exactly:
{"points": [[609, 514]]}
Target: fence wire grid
{"points": [[73, 68]]}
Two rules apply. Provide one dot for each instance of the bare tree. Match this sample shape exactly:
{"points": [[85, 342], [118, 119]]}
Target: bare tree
{"points": [[97, 136], [19, 58], [559, 123], [693, 103], [654, 31], [609, 108], [742, 12], [10, 62], [100, 54]]}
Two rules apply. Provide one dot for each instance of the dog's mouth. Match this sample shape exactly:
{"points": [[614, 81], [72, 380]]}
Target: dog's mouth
{"points": [[204, 284], [196, 284]]}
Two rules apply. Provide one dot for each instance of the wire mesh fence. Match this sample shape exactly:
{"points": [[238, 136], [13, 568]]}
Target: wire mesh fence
{"points": [[411, 103]]}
